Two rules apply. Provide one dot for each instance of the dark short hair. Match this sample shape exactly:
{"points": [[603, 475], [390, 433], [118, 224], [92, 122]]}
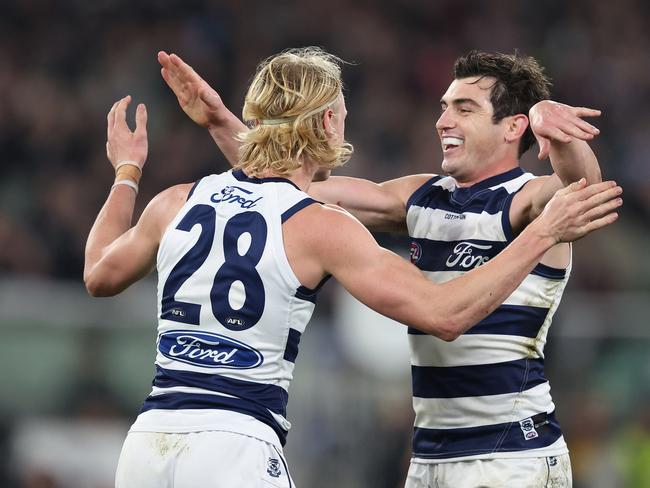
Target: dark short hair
{"points": [[520, 84]]}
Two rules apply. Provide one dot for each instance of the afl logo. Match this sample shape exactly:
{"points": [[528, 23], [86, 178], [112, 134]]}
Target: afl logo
{"points": [[416, 252], [208, 350]]}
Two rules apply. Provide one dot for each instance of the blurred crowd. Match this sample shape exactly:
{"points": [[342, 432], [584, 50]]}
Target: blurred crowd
{"points": [[64, 63]]}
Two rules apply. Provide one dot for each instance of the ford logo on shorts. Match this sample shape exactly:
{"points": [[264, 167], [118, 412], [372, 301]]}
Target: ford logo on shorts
{"points": [[208, 350]]}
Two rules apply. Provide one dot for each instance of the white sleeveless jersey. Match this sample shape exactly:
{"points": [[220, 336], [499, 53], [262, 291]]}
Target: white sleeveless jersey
{"points": [[231, 311], [483, 395]]}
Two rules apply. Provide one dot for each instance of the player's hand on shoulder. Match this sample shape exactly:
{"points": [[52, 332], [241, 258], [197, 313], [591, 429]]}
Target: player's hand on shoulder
{"points": [[122, 144], [557, 122], [198, 100], [579, 209]]}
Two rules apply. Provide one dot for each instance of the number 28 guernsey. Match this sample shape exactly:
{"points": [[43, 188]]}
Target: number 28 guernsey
{"points": [[231, 311]]}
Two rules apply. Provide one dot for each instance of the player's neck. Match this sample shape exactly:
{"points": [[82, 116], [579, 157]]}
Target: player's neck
{"points": [[465, 181], [301, 177]]}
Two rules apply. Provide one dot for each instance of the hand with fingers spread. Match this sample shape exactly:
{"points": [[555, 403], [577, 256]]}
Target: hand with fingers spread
{"points": [[556, 122], [578, 209], [126, 150], [198, 100]]}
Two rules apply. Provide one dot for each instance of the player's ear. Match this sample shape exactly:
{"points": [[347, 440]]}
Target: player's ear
{"points": [[516, 126], [328, 124]]}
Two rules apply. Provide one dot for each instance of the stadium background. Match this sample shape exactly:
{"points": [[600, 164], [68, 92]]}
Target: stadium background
{"points": [[74, 370]]}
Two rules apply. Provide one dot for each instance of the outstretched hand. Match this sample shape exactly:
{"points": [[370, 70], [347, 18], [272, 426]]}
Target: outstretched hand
{"points": [[578, 209], [553, 121], [198, 100], [121, 143]]}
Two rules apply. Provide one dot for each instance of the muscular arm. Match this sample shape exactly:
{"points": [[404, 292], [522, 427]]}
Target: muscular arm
{"points": [[379, 206], [118, 255], [393, 287], [105, 272], [563, 136]]}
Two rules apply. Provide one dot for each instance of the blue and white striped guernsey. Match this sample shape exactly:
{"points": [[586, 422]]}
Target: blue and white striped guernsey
{"points": [[483, 395], [231, 311]]}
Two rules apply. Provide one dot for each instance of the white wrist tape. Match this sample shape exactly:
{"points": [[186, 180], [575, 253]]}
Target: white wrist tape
{"points": [[129, 183]]}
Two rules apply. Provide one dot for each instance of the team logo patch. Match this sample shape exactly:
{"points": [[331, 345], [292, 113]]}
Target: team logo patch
{"points": [[273, 468], [208, 350], [416, 252], [528, 428]]}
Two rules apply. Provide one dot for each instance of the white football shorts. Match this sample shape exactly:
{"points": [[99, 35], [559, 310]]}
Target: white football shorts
{"points": [[210, 459], [541, 472]]}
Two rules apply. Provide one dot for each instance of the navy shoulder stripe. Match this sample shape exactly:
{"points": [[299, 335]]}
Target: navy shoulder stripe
{"points": [[505, 216], [196, 183], [421, 191], [309, 294], [287, 214], [549, 272]]}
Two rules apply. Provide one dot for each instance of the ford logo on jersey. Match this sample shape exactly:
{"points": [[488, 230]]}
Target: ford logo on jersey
{"points": [[208, 350], [468, 255], [235, 194]]}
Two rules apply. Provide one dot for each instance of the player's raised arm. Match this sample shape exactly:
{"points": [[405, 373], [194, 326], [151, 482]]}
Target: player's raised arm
{"points": [[202, 104], [562, 135], [379, 206], [389, 285], [117, 254]]}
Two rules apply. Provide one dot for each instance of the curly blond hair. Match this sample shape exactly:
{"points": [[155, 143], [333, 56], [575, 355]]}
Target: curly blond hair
{"points": [[284, 109]]}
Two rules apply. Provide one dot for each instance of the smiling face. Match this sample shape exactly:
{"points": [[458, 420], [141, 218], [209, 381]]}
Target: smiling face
{"points": [[474, 146]]}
